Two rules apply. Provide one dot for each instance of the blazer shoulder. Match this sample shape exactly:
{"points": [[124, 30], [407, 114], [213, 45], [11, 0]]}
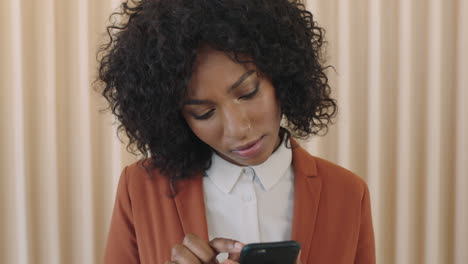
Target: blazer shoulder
{"points": [[340, 178], [141, 174], [333, 177]]}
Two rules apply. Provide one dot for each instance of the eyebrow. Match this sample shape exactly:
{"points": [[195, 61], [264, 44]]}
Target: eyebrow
{"points": [[240, 80], [232, 87]]}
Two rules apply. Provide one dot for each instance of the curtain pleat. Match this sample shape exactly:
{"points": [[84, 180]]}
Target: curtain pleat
{"points": [[440, 139], [41, 164], [77, 157], [460, 228], [411, 107], [399, 75], [13, 238]]}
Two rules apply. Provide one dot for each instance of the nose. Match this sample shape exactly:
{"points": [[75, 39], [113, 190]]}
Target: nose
{"points": [[236, 122]]}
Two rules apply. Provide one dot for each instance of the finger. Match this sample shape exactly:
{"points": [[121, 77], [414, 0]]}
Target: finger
{"points": [[226, 245], [170, 262], [182, 255], [199, 248], [234, 256], [298, 260]]}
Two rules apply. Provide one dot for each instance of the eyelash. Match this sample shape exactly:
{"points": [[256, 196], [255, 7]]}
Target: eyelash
{"points": [[244, 97], [204, 116], [251, 94]]}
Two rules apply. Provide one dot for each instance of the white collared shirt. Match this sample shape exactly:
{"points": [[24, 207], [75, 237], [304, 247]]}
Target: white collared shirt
{"points": [[250, 204]]}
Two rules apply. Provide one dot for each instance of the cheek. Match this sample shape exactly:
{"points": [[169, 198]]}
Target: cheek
{"points": [[267, 109], [205, 131]]}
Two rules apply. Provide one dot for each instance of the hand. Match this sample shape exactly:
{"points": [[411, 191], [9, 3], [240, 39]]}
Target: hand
{"points": [[195, 250]]}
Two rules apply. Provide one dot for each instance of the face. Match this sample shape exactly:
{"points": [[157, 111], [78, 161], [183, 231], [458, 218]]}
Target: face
{"points": [[232, 109]]}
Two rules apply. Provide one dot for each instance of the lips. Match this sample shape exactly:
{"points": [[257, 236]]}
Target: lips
{"points": [[248, 145], [250, 149]]}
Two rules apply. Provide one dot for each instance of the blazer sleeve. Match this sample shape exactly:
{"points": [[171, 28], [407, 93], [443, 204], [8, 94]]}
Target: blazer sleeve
{"points": [[365, 253], [121, 241]]}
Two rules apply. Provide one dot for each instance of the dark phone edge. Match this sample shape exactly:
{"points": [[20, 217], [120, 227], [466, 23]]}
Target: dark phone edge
{"points": [[269, 245]]}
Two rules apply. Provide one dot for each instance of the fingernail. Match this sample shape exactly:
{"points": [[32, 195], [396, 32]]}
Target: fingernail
{"points": [[238, 245]]}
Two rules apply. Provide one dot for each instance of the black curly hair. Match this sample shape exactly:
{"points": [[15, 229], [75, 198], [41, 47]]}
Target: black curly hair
{"points": [[146, 66]]}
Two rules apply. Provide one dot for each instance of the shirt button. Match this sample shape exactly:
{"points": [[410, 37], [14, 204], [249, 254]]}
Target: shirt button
{"points": [[249, 172]]}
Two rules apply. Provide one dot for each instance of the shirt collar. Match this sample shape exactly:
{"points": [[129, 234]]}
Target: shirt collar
{"points": [[224, 174]]}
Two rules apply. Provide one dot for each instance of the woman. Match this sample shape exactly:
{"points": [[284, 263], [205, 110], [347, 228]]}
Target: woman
{"points": [[201, 88]]}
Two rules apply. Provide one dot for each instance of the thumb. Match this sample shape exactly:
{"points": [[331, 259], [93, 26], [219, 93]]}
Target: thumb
{"points": [[298, 260], [233, 247]]}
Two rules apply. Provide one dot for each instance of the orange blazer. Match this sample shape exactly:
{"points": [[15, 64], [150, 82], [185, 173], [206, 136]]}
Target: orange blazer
{"points": [[331, 215]]}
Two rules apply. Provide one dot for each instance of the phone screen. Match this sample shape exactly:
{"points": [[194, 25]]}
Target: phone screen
{"points": [[284, 252]]}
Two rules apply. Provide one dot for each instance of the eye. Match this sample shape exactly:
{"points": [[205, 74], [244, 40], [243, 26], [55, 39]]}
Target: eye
{"points": [[204, 116], [251, 94]]}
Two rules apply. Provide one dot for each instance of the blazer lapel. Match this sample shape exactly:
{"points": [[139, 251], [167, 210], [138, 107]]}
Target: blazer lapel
{"points": [[190, 204], [307, 188]]}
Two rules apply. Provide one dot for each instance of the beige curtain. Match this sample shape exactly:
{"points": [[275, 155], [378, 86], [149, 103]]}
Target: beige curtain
{"points": [[401, 81]]}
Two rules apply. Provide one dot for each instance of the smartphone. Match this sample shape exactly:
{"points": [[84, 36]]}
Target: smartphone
{"points": [[284, 252]]}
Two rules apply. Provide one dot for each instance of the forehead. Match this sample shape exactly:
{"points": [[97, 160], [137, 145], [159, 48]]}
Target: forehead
{"points": [[213, 69]]}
